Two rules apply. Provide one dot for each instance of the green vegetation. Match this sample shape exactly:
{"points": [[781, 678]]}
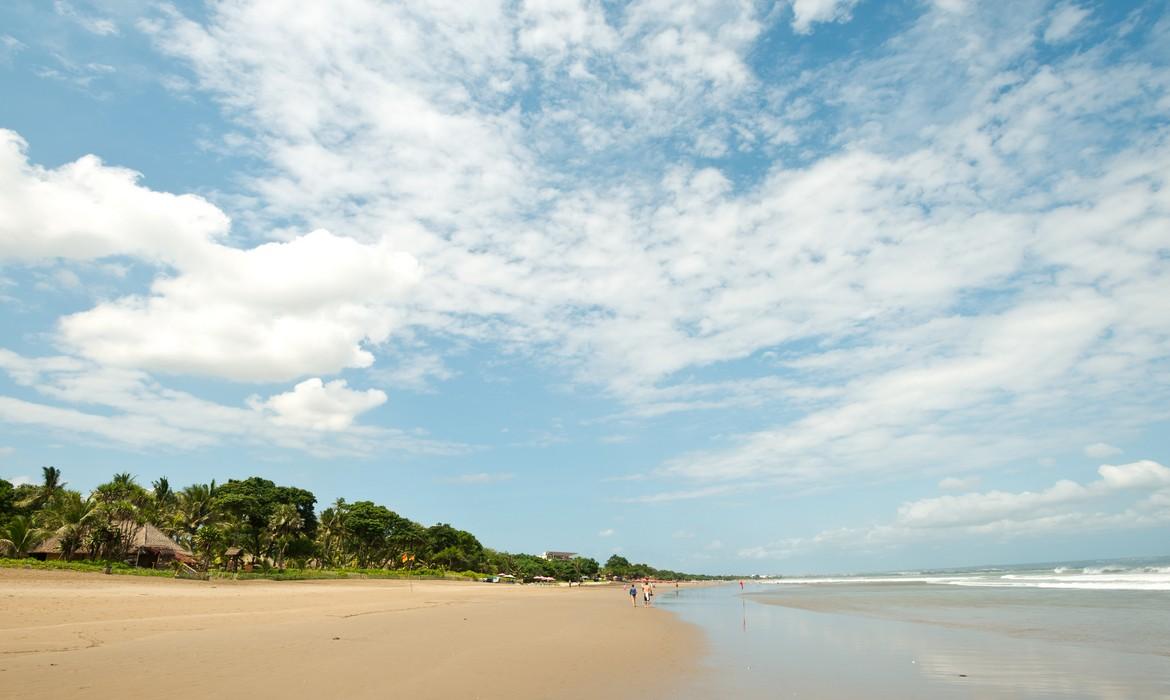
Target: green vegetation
{"points": [[275, 528], [93, 567]]}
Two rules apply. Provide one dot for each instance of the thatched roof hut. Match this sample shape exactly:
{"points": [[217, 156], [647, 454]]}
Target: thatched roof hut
{"points": [[149, 546]]}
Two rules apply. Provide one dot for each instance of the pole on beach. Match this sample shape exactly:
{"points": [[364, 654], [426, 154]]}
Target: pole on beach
{"points": [[408, 559]]}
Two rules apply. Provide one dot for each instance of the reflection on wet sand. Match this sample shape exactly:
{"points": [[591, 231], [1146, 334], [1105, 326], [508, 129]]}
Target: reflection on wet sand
{"points": [[793, 652]]}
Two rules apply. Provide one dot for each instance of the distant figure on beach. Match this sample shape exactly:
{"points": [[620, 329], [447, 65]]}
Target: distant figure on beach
{"points": [[634, 594], [741, 585]]}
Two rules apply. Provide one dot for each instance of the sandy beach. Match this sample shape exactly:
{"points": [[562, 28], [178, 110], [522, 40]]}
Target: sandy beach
{"points": [[67, 635]]}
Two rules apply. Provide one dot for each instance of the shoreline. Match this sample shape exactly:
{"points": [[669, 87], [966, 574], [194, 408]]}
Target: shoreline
{"points": [[839, 642], [68, 634]]}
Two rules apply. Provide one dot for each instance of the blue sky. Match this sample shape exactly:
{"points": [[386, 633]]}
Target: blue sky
{"points": [[819, 285]]}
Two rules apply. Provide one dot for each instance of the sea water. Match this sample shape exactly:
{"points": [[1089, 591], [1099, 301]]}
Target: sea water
{"points": [[1093, 630]]}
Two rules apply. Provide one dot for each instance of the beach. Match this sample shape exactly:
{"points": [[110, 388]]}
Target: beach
{"points": [[71, 635], [970, 636]]}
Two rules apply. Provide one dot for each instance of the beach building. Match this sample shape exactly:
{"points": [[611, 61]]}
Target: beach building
{"points": [[558, 556], [233, 558], [149, 548]]}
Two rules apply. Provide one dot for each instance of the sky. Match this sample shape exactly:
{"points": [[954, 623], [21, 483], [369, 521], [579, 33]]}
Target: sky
{"points": [[721, 286]]}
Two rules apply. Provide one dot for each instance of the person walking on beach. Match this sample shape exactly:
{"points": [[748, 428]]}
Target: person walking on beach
{"points": [[634, 594], [646, 592]]}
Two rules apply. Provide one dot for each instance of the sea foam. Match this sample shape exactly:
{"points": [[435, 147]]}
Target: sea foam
{"points": [[1103, 577]]}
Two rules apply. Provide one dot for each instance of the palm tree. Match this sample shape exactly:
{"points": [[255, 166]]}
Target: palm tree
{"points": [[69, 518], [50, 484], [283, 526], [19, 536], [195, 509], [161, 506], [331, 533]]}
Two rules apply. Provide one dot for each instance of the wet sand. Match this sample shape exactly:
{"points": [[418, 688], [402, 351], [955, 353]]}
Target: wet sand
{"points": [[932, 642], [70, 635]]}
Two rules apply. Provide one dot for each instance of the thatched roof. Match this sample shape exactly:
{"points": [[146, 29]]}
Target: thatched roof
{"points": [[146, 536]]}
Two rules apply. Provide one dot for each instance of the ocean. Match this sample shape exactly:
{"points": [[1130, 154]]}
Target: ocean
{"points": [[1093, 630]]}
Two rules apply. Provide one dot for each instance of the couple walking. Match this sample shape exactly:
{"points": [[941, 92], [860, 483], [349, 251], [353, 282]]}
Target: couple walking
{"points": [[647, 593]]}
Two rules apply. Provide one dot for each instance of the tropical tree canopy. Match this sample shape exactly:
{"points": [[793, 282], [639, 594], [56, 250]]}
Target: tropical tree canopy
{"points": [[271, 523]]}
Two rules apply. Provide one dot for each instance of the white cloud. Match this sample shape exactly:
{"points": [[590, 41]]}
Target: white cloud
{"points": [[954, 483], [1102, 450], [1065, 22], [1126, 497], [974, 269], [128, 408], [415, 373], [809, 12], [274, 312], [277, 311], [1145, 474], [87, 210], [320, 406], [994, 506], [608, 532], [95, 25], [20, 480], [552, 29]]}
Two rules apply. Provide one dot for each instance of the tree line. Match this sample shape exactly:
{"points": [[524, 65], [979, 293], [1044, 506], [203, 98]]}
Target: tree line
{"points": [[276, 526]]}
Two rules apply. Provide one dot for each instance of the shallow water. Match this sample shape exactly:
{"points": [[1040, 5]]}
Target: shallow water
{"points": [[918, 640]]}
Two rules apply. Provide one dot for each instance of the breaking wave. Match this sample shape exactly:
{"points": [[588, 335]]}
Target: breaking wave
{"points": [[1094, 577]]}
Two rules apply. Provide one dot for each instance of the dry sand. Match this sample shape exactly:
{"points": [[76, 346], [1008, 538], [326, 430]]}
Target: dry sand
{"points": [[70, 635]]}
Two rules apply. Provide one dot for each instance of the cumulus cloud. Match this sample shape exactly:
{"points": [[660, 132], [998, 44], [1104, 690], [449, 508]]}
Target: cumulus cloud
{"points": [[1101, 450], [274, 312], [87, 210], [278, 311], [608, 532], [318, 405]]}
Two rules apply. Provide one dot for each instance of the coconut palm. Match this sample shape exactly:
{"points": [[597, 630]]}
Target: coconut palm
{"points": [[162, 504], [50, 484], [69, 517], [331, 533], [19, 536], [195, 509], [283, 526]]}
